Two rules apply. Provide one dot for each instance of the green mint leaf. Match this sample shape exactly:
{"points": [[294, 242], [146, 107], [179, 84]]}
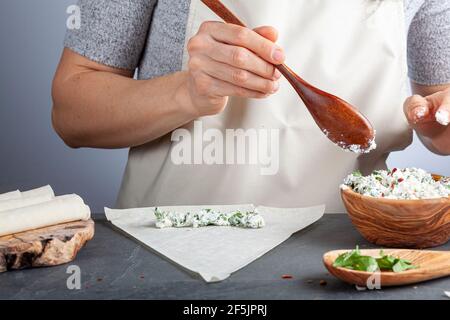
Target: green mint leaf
{"points": [[402, 265], [347, 259], [365, 263], [355, 261], [357, 173], [386, 262]]}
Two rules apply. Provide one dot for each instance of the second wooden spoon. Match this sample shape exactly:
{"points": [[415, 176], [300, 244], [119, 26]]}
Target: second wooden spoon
{"points": [[342, 123], [430, 265]]}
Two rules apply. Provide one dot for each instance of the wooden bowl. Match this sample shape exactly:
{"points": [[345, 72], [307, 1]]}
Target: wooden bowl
{"points": [[399, 223]]}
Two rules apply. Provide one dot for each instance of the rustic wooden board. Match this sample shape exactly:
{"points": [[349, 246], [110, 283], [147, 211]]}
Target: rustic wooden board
{"points": [[48, 246]]}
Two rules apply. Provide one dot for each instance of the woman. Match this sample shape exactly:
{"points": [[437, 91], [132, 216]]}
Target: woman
{"points": [[210, 120]]}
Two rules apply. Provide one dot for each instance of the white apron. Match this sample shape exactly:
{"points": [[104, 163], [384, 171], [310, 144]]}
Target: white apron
{"points": [[355, 49]]}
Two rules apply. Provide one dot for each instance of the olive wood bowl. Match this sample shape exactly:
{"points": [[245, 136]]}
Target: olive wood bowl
{"points": [[399, 223]]}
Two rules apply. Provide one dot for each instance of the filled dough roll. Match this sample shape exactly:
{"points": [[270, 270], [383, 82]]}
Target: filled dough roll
{"points": [[24, 202], [10, 195], [45, 191], [60, 209]]}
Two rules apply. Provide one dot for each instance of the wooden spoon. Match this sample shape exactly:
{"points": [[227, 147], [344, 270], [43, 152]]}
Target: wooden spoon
{"points": [[431, 265], [342, 123]]}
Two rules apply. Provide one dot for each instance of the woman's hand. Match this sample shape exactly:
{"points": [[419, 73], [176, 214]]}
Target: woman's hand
{"points": [[229, 60], [430, 117]]}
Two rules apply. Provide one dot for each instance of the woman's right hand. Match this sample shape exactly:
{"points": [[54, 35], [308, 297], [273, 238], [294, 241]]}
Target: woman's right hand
{"points": [[228, 60]]}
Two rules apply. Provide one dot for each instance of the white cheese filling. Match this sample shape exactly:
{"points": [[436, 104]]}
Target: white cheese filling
{"points": [[208, 217], [409, 183], [355, 148]]}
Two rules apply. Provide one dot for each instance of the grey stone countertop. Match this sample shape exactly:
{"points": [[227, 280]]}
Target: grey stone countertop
{"points": [[114, 266]]}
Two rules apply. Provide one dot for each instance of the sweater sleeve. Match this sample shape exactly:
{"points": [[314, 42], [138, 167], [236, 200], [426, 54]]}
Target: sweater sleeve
{"points": [[112, 32], [429, 44]]}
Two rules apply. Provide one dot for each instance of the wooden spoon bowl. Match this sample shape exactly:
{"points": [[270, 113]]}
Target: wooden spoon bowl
{"points": [[431, 265], [399, 223]]}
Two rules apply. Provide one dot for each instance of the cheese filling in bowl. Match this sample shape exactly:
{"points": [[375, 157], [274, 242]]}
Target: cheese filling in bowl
{"points": [[400, 208], [406, 184]]}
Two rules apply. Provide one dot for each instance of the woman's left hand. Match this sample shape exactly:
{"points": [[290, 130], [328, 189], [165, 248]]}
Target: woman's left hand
{"points": [[430, 118]]}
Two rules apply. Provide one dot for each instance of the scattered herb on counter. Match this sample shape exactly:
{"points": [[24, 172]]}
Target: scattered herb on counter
{"points": [[355, 261]]}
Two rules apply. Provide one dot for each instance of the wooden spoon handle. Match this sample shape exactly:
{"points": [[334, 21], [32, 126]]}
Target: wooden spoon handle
{"points": [[222, 11]]}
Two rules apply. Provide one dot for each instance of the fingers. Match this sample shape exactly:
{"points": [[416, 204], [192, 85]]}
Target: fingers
{"points": [[238, 57], [228, 60], [440, 102], [267, 32], [206, 85], [243, 58], [417, 109], [235, 76], [431, 109], [244, 37]]}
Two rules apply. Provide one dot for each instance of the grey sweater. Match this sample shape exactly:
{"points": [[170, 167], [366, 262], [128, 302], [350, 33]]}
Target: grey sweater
{"points": [[149, 35]]}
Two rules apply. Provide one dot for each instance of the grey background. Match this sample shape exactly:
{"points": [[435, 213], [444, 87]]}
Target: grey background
{"points": [[32, 155]]}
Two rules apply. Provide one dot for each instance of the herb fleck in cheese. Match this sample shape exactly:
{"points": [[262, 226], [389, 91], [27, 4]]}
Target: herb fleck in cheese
{"points": [[409, 183], [208, 217]]}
